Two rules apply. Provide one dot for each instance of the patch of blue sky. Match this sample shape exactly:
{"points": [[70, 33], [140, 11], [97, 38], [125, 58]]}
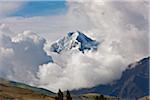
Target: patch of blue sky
{"points": [[41, 8]]}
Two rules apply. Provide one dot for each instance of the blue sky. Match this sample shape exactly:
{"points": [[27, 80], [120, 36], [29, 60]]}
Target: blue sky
{"points": [[40, 8]]}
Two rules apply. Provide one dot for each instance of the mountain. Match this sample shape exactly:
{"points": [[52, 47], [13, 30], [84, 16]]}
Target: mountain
{"points": [[10, 90], [74, 40], [134, 83]]}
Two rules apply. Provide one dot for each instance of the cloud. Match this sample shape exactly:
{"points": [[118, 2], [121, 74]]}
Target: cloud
{"points": [[21, 56], [81, 71], [122, 25], [7, 7]]}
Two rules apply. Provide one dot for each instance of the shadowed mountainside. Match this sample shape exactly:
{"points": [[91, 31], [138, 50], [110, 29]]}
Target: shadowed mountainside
{"points": [[134, 83]]}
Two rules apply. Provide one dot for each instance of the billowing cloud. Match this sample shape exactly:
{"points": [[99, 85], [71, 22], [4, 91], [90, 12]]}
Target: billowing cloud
{"points": [[81, 71], [21, 55], [123, 27]]}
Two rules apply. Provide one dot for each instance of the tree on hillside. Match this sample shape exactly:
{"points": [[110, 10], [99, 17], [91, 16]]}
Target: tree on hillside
{"points": [[97, 98], [101, 97], [68, 96], [59, 95]]}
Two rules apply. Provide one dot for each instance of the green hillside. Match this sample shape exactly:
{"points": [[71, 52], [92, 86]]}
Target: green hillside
{"points": [[10, 90]]}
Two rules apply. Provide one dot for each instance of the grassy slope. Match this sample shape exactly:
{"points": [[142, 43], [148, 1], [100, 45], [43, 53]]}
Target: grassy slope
{"points": [[92, 96], [13, 90], [145, 98]]}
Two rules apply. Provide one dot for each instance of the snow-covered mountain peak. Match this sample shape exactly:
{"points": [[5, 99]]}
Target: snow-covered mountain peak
{"points": [[74, 40]]}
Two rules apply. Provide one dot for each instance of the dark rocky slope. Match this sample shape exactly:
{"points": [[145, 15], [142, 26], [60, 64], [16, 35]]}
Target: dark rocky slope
{"points": [[134, 83]]}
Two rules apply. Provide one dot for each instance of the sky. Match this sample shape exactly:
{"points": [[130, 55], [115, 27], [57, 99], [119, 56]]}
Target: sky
{"points": [[40, 8], [33, 8], [28, 28]]}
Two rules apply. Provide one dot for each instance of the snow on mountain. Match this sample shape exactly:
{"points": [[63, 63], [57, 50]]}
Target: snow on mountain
{"points": [[74, 40]]}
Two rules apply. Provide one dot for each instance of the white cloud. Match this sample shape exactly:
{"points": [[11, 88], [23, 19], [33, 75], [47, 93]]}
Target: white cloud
{"points": [[81, 71], [7, 7], [22, 55], [122, 25]]}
